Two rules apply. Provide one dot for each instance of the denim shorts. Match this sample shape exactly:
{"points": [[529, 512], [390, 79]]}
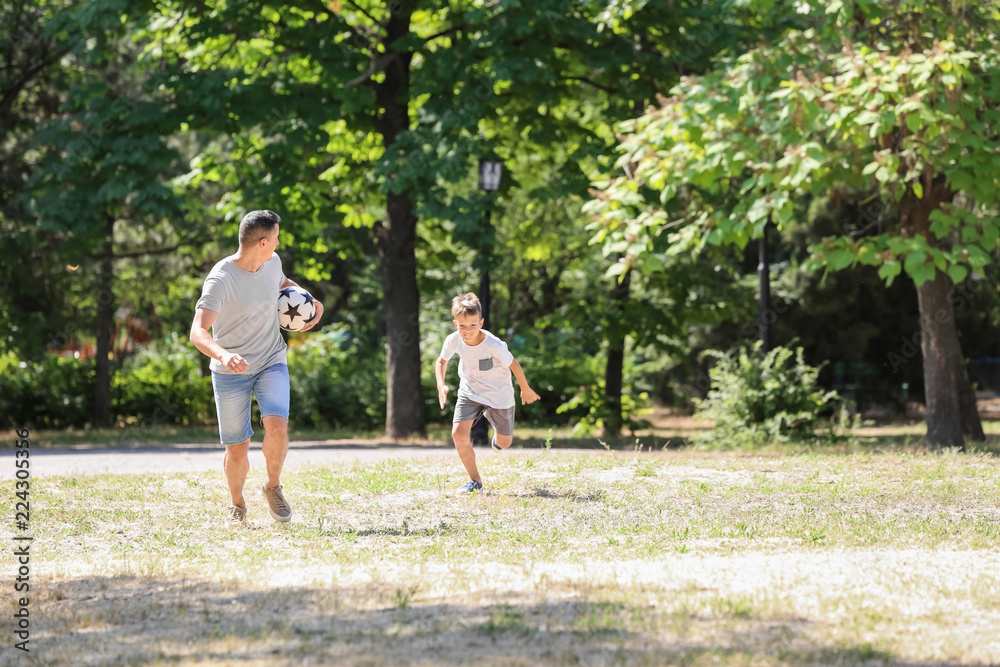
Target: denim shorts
{"points": [[232, 400]]}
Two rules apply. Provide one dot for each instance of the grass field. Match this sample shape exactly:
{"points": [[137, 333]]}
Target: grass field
{"points": [[672, 557]]}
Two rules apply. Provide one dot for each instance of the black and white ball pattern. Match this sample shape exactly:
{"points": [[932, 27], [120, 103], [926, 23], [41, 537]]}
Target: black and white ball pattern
{"points": [[295, 308]]}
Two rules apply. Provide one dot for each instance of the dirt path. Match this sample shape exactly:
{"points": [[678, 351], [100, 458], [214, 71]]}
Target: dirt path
{"points": [[195, 458]]}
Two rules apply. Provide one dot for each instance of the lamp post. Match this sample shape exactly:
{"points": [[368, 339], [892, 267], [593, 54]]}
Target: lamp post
{"points": [[764, 292], [490, 171]]}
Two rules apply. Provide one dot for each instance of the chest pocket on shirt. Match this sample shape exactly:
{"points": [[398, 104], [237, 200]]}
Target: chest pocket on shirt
{"points": [[486, 364]]}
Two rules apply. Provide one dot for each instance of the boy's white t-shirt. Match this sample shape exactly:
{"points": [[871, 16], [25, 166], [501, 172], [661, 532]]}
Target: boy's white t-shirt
{"points": [[484, 369]]}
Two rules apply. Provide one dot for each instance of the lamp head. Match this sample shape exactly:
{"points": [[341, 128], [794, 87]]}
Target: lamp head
{"points": [[489, 174]]}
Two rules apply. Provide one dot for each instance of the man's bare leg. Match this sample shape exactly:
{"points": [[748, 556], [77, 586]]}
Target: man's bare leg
{"points": [[275, 448], [236, 466]]}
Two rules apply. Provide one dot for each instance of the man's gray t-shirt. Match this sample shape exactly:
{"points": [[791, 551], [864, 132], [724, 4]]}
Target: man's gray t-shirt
{"points": [[484, 369], [247, 308]]}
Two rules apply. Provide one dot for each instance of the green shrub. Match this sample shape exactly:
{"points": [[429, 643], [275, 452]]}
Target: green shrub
{"points": [[56, 392], [336, 381], [758, 399], [589, 407], [162, 384], [571, 385], [159, 385], [556, 376]]}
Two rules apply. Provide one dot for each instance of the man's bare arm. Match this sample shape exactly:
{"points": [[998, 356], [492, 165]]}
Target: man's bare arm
{"points": [[202, 339]]}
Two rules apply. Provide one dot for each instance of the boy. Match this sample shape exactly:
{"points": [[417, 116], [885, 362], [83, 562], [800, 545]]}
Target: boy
{"points": [[484, 367]]}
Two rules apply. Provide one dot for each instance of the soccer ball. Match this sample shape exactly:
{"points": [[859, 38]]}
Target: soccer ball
{"points": [[295, 308]]}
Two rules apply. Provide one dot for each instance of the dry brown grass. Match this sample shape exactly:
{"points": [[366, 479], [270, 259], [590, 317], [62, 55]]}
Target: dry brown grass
{"points": [[606, 558]]}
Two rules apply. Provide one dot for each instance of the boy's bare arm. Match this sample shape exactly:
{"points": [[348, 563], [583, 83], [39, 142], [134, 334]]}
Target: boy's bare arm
{"points": [[440, 371], [528, 395]]}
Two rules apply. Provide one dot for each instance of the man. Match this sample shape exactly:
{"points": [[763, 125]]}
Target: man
{"points": [[239, 303]]}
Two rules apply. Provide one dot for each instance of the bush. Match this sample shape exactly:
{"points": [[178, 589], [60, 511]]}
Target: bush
{"points": [[56, 392], [336, 381], [558, 377], [572, 385], [159, 385], [755, 401], [162, 384]]}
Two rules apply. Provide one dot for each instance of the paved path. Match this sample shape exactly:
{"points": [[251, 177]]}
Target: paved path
{"points": [[189, 458]]}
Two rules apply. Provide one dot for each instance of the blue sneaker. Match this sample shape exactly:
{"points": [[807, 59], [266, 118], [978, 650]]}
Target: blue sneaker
{"points": [[496, 447], [471, 487]]}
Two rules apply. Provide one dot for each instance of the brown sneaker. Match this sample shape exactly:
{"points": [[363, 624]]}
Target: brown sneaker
{"points": [[280, 509], [237, 515]]}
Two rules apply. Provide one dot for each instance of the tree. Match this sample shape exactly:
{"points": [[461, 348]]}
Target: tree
{"points": [[30, 78], [367, 114], [105, 160], [688, 36], [857, 98], [641, 47]]}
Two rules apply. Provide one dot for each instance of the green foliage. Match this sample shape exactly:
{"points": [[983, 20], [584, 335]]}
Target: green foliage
{"points": [[572, 385], [159, 385], [592, 409], [856, 107], [756, 401], [337, 381], [162, 384], [56, 392], [155, 127], [34, 71]]}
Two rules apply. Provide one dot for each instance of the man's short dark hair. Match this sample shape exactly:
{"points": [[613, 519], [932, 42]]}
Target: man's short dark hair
{"points": [[257, 225]]}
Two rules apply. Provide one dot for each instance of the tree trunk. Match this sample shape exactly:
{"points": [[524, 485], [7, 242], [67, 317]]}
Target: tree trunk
{"points": [[105, 329], [950, 402], [972, 425], [396, 242], [396, 239], [943, 363], [480, 433], [614, 370]]}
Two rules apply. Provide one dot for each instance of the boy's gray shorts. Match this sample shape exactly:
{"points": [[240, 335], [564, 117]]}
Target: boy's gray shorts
{"points": [[501, 418]]}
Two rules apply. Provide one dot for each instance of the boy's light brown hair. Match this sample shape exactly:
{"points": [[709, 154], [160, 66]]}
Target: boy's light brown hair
{"points": [[466, 304]]}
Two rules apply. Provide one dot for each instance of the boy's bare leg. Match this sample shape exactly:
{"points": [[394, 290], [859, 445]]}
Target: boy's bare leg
{"points": [[461, 433], [503, 441], [236, 465], [275, 447]]}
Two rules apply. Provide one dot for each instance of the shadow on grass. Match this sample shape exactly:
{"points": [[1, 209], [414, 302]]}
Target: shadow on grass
{"points": [[561, 495], [139, 620], [393, 532], [645, 443]]}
